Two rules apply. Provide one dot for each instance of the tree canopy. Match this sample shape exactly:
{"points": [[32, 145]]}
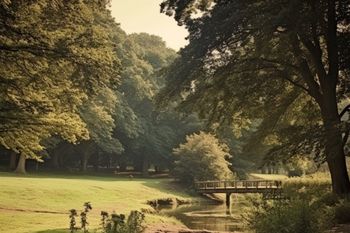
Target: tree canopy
{"points": [[202, 157], [247, 58], [55, 55]]}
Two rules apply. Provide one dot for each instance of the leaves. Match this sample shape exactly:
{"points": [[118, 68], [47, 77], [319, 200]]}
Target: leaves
{"points": [[53, 54], [202, 157]]}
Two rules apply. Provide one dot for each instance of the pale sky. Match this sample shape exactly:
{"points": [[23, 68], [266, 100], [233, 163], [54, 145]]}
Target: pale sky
{"points": [[145, 16]]}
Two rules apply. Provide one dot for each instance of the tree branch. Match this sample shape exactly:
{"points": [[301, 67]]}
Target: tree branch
{"points": [[306, 74], [346, 109]]}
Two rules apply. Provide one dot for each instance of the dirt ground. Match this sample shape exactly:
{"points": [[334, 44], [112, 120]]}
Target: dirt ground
{"points": [[163, 228]]}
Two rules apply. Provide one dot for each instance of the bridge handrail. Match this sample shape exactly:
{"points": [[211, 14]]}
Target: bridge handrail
{"points": [[206, 181], [225, 184]]}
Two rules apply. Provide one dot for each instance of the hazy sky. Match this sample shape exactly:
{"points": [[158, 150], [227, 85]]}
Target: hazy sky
{"points": [[144, 16]]}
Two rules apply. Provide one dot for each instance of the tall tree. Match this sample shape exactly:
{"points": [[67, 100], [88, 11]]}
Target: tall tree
{"points": [[241, 52], [53, 55]]}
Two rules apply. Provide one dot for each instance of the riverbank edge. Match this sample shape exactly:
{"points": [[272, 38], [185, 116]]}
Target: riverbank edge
{"points": [[178, 228], [167, 228]]}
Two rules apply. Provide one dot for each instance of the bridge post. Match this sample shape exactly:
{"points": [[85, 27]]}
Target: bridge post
{"points": [[228, 200]]}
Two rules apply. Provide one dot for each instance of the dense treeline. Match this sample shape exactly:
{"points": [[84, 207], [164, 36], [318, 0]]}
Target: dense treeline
{"points": [[78, 93], [76, 90]]}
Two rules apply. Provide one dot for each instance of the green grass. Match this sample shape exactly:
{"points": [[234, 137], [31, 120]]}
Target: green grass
{"points": [[24, 199], [268, 176]]}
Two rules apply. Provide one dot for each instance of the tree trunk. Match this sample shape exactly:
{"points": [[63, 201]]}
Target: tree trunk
{"points": [[13, 161], [334, 149], [97, 160], [145, 165], [21, 166], [54, 160], [84, 161], [335, 157], [84, 165], [122, 166], [138, 164], [269, 169], [334, 145]]}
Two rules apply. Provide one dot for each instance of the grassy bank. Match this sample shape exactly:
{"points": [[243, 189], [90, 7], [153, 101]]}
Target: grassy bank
{"points": [[40, 203]]}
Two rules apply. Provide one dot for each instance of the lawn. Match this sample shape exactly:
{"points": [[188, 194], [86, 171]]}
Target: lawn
{"points": [[40, 203]]}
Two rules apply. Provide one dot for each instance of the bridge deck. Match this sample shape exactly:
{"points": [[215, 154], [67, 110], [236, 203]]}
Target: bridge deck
{"points": [[241, 186]]}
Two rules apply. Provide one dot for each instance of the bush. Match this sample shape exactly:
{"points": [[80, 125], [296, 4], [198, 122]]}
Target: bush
{"points": [[202, 157], [115, 223], [311, 208], [296, 216], [73, 214], [295, 173], [342, 212]]}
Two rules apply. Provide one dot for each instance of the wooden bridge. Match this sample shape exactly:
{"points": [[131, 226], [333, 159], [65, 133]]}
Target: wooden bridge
{"points": [[271, 189]]}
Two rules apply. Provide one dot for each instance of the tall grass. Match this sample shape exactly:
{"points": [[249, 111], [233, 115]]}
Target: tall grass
{"points": [[311, 207]]}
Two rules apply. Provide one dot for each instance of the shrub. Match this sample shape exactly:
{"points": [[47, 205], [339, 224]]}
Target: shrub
{"points": [[296, 216], [83, 218], [72, 222], [342, 212], [311, 208], [135, 221], [295, 173], [115, 223], [202, 157]]}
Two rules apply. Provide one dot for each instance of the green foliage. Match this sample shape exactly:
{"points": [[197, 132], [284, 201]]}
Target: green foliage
{"points": [[69, 72], [53, 55], [72, 223], [306, 188], [83, 218], [135, 221], [310, 208], [202, 157], [116, 222], [148, 134], [297, 216], [278, 64], [98, 114]]}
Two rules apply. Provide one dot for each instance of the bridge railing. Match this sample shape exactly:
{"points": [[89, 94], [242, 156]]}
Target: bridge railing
{"points": [[238, 184]]}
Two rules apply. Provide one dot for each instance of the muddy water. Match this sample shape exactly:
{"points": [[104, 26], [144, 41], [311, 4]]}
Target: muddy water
{"points": [[209, 216]]}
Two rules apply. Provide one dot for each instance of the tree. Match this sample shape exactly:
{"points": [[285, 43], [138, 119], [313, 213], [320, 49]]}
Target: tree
{"points": [[98, 114], [241, 52], [202, 157], [53, 55], [147, 134]]}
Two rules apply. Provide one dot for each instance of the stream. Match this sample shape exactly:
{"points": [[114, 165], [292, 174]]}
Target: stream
{"points": [[209, 216]]}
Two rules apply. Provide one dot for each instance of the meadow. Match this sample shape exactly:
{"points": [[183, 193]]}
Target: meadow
{"points": [[40, 203]]}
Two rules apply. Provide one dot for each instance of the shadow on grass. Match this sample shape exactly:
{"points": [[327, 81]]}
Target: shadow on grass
{"points": [[79, 176], [53, 231]]}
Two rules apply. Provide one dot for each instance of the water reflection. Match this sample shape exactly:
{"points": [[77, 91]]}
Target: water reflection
{"points": [[208, 216]]}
